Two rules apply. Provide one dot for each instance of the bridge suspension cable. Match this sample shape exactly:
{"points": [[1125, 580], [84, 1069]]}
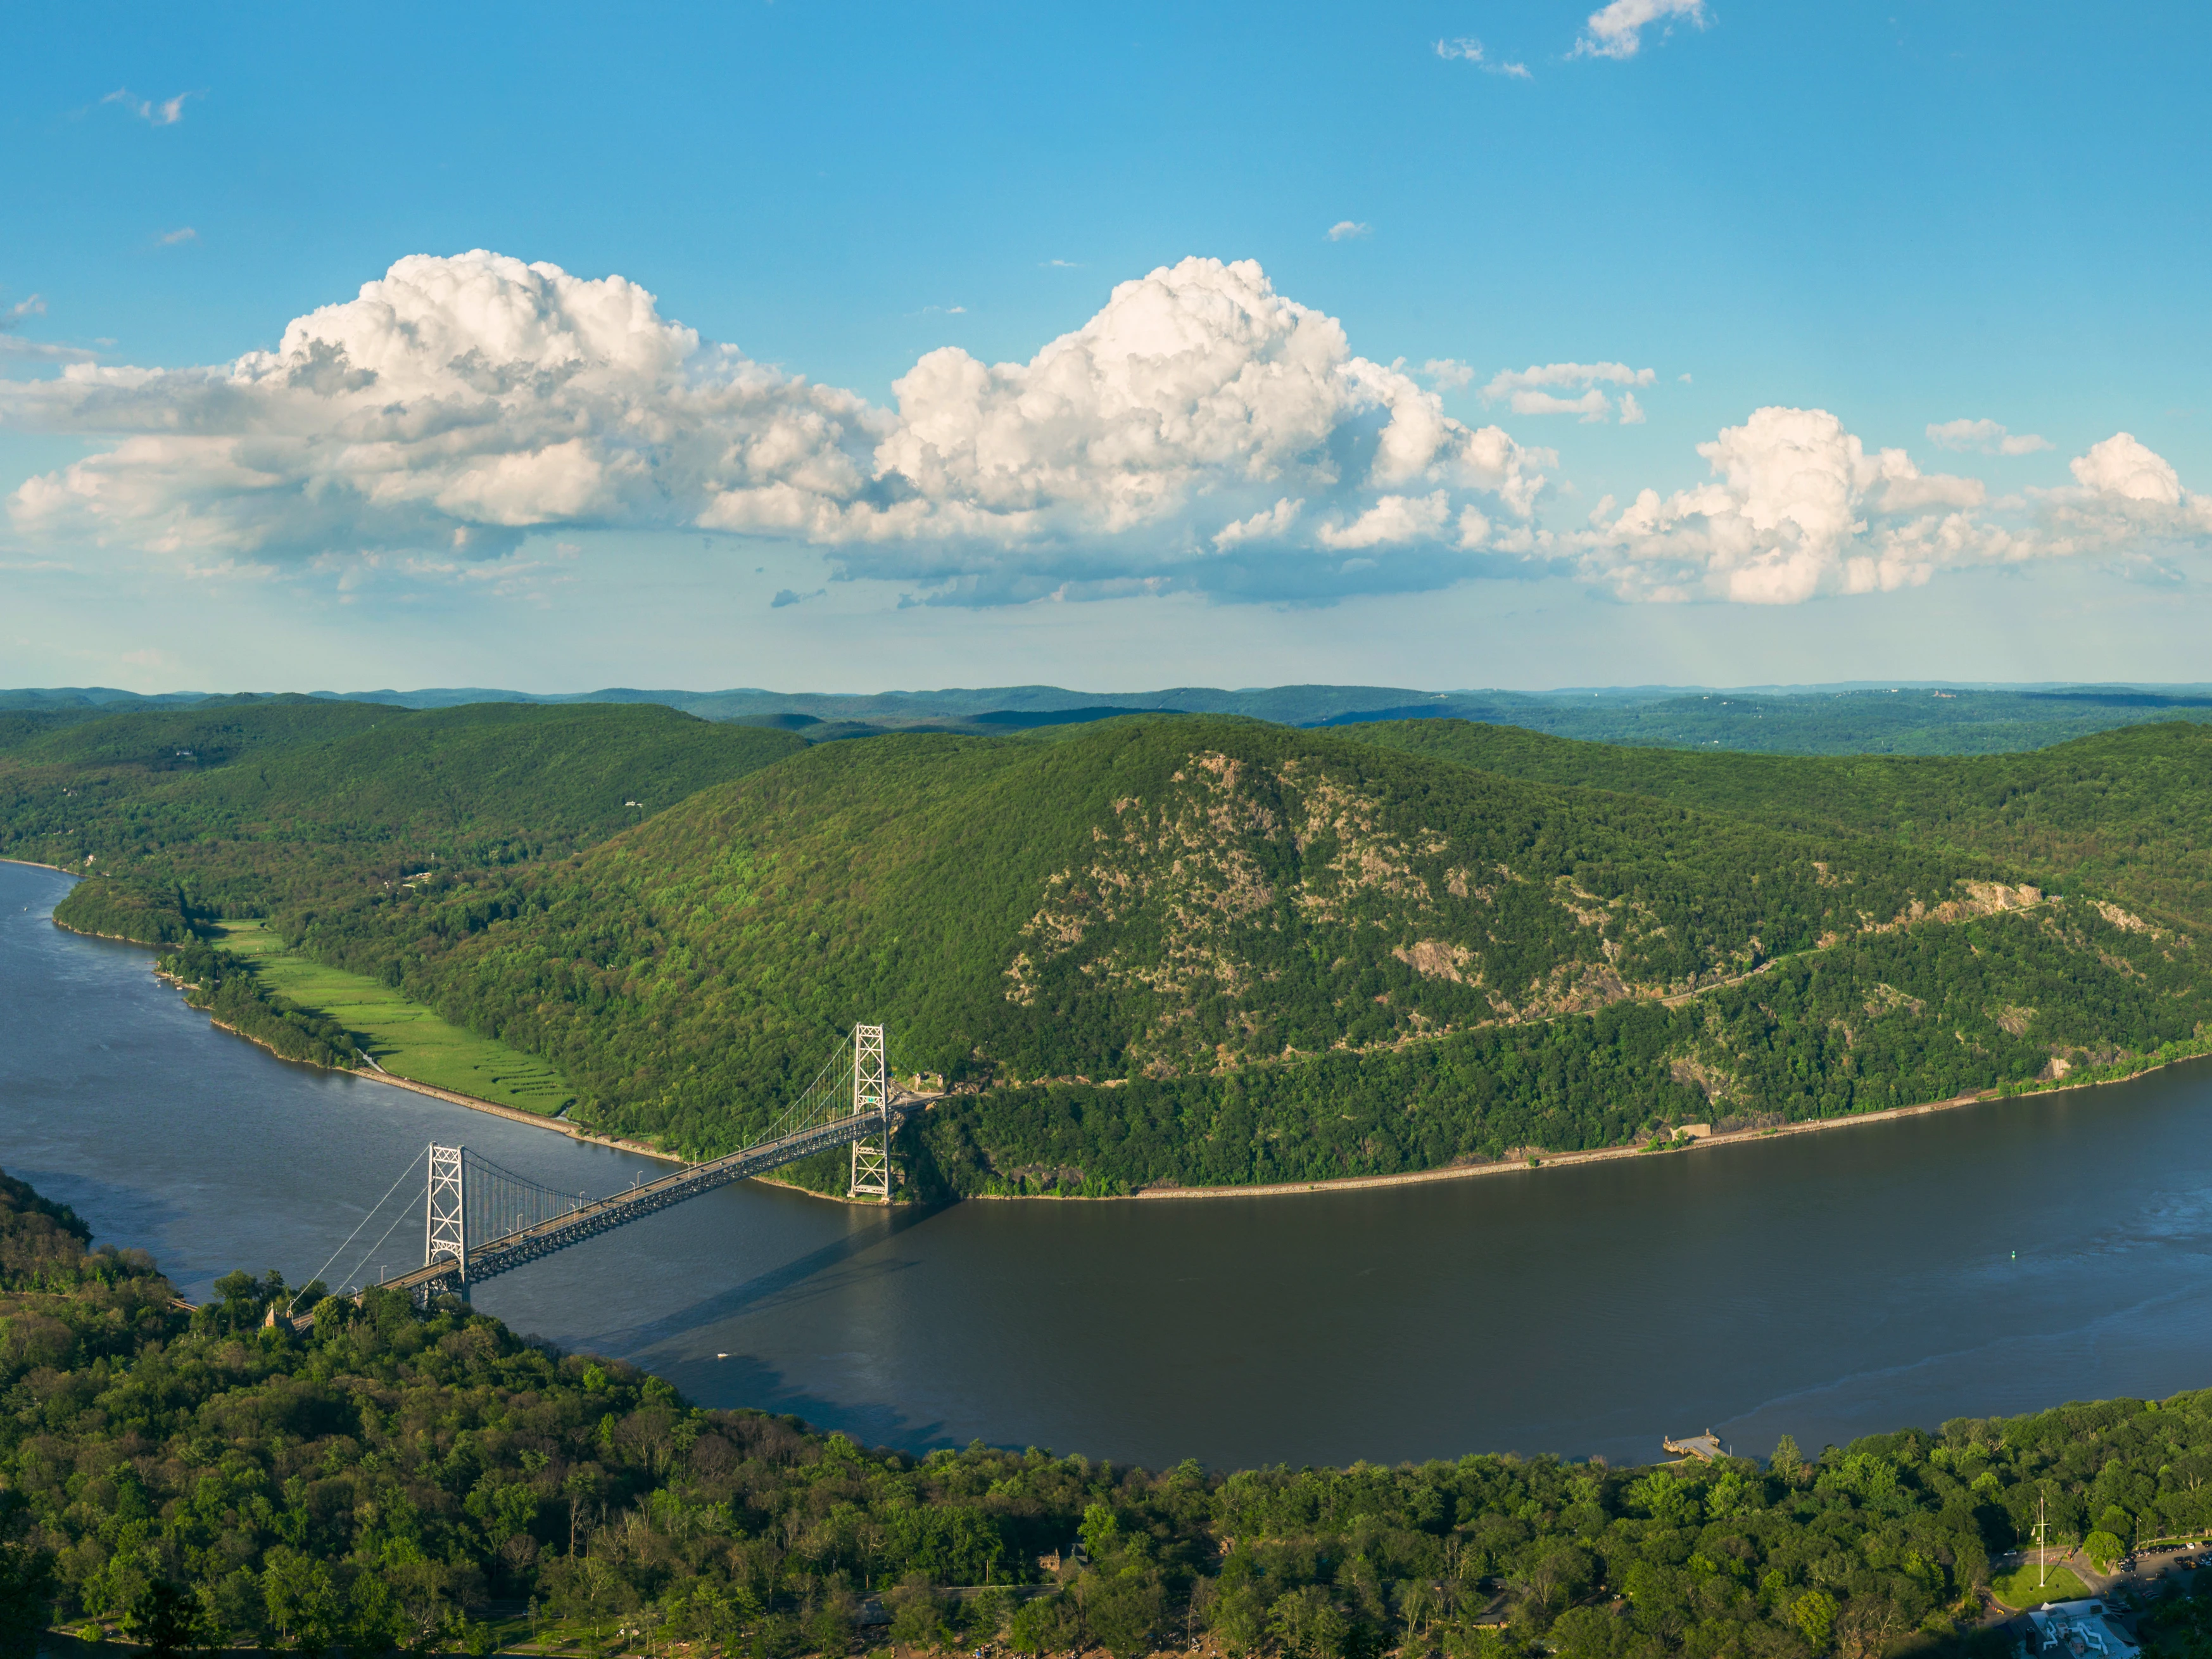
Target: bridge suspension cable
{"points": [[498, 1201], [356, 1232]]}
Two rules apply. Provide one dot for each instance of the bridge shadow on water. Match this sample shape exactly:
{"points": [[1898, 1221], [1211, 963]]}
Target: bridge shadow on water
{"points": [[826, 1273]]}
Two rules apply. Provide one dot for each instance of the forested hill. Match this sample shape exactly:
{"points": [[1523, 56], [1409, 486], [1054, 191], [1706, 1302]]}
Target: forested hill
{"points": [[258, 803], [1198, 949], [2121, 812]]}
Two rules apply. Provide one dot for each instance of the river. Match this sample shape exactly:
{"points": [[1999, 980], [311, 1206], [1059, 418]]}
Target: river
{"points": [[1993, 1259]]}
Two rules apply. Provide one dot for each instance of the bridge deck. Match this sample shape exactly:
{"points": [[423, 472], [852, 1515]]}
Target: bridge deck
{"points": [[528, 1244]]}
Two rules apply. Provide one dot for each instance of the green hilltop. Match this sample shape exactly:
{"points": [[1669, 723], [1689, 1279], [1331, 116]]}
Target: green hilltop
{"points": [[2118, 810]]}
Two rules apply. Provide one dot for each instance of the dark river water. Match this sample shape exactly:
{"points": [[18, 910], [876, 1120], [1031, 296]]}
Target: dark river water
{"points": [[1824, 1285]]}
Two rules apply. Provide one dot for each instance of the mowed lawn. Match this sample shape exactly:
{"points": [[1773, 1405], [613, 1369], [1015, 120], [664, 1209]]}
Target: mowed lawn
{"points": [[405, 1039], [2020, 1591]]}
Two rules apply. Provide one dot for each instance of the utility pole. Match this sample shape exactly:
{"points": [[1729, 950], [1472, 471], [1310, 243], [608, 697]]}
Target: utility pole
{"points": [[2041, 1574]]}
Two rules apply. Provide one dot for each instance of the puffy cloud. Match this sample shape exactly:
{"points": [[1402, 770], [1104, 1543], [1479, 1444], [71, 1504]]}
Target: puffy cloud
{"points": [[1798, 507], [1617, 30], [2122, 466], [1347, 230], [1631, 412], [2127, 501], [458, 403], [453, 404], [1448, 374], [1985, 436]]}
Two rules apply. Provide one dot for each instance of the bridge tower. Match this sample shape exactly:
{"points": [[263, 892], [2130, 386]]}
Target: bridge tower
{"points": [[445, 1223], [871, 1152]]}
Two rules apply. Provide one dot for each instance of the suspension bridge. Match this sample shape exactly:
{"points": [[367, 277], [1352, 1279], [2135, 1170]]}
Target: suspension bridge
{"points": [[480, 1220]]}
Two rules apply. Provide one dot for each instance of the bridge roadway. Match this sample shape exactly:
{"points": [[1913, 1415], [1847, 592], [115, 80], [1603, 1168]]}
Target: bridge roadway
{"points": [[511, 1250]]}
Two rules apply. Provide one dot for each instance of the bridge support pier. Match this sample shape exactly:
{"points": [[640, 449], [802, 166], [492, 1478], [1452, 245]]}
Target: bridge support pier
{"points": [[871, 1152]]}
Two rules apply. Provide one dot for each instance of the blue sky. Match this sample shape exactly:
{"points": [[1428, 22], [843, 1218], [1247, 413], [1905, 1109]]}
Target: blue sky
{"points": [[1943, 230]]}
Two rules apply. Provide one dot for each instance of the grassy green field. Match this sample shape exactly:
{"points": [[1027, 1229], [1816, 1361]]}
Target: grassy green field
{"points": [[405, 1039], [2019, 1590]]}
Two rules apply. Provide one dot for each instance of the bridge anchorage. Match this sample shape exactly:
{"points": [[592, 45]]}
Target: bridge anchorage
{"points": [[480, 1220]]}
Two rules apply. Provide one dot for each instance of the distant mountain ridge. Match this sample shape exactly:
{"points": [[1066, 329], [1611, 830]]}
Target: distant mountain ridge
{"points": [[1920, 718]]}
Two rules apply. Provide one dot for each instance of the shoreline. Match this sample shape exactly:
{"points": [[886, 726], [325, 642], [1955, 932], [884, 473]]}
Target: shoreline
{"points": [[56, 868], [374, 1073], [1536, 1163]]}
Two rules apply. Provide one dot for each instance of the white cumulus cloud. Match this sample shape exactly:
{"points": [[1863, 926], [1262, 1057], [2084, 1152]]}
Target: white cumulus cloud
{"points": [[2124, 466], [1347, 230], [1795, 507], [458, 404], [1798, 507], [1984, 437], [1617, 30]]}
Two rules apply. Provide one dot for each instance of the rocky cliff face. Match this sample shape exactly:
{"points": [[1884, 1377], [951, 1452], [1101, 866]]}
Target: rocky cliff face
{"points": [[1256, 905]]}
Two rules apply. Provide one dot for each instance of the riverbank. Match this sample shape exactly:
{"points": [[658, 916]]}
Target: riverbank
{"points": [[1537, 1160], [374, 1073], [33, 863]]}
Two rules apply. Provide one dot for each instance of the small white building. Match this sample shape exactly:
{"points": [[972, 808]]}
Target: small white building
{"points": [[2078, 1630]]}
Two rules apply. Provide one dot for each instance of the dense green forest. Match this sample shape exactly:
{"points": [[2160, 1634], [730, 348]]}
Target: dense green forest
{"points": [[1162, 950], [244, 806], [388, 1478], [2121, 812]]}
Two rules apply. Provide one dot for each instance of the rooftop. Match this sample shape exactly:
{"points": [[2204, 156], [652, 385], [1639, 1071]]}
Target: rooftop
{"points": [[2078, 1630]]}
